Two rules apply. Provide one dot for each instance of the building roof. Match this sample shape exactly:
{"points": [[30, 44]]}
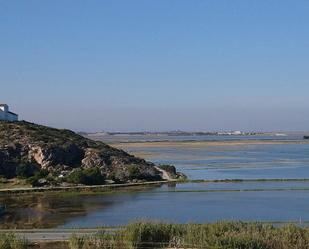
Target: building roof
{"points": [[13, 113]]}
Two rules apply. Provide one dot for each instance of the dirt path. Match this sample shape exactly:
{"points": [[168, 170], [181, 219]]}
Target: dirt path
{"points": [[165, 175]]}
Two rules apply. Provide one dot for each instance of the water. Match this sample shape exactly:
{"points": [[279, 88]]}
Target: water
{"points": [[247, 200], [260, 161], [158, 137], [197, 202], [200, 207]]}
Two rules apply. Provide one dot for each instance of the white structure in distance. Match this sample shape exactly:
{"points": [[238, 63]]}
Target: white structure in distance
{"points": [[6, 115]]}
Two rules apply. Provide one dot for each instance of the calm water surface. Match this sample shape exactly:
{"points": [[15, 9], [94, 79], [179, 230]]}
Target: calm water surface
{"points": [[258, 161], [191, 202], [271, 201]]}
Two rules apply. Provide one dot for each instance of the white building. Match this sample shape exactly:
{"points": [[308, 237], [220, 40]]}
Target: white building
{"points": [[6, 115]]}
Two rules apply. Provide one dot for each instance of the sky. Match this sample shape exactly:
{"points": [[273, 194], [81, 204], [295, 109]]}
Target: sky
{"points": [[157, 65]]}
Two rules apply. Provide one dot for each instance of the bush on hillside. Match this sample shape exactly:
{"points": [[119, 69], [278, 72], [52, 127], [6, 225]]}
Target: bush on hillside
{"points": [[25, 170], [91, 176], [35, 180], [134, 172]]}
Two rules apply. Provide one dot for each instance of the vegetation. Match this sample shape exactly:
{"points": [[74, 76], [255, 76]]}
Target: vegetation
{"points": [[38, 175], [27, 150], [221, 235], [26, 170], [90, 176], [134, 172], [10, 241]]}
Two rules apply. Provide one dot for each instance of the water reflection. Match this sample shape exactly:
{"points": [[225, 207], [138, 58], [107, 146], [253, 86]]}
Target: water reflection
{"points": [[180, 203], [55, 209]]}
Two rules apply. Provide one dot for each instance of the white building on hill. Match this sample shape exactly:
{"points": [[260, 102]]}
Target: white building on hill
{"points": [[6, 115]]}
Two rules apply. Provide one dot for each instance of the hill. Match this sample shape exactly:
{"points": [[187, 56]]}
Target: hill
{"points": [[48, 156]]}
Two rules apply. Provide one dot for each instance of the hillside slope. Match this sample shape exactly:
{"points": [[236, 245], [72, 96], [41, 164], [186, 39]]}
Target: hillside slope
{"points": [[49, 156]]}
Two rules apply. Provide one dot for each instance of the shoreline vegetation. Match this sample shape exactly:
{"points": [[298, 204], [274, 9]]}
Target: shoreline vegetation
{"points": [[147, 234], [219, 235]]}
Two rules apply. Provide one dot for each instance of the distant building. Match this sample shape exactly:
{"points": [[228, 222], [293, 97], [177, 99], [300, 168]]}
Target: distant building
{"points": [[237, 133], [6, 115]]}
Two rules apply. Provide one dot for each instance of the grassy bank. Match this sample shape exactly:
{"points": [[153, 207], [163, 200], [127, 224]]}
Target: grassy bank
{"points": [[221, 235]]}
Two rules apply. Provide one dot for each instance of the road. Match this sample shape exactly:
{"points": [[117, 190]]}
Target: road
{"points": [[52, 235], [80, 187]]}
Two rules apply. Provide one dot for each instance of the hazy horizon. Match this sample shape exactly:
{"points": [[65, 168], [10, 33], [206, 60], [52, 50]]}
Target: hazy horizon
{"points": [[157, 65]]}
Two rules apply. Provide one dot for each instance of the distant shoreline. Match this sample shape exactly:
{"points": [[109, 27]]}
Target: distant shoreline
{"points": [[195, 133], [194, 143]]}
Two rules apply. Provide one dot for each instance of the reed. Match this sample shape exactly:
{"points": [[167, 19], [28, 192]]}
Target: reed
{"points": [[220, 235], [10, 241]]}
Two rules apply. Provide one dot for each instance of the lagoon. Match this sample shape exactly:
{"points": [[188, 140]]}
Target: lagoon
{"points": [[178, 203], [256, 196]]}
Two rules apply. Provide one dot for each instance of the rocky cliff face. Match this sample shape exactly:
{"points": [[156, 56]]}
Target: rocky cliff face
{"points": [[27, 148]]}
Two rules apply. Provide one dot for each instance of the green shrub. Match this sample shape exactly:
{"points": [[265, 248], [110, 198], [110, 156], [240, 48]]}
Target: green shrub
{"points": [[77, 176], [91, 176], [25, 170], [34, 180], [134, 172]]}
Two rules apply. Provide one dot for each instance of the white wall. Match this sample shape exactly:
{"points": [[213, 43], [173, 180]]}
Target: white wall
{"points": [[4, 108]]}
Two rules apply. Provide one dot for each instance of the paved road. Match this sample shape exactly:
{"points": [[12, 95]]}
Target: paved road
{"points": [[44, 235], [81, 187]]}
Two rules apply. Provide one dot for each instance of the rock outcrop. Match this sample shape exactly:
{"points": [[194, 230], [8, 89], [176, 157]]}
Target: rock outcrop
{"points": [[27, 148]]}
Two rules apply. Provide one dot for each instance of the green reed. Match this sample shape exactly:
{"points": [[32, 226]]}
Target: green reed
{"points": [[220, 235], [10, 241]]}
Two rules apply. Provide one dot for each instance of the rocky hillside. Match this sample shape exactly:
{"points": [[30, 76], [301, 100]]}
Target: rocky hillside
{"points": [[47, 156]]}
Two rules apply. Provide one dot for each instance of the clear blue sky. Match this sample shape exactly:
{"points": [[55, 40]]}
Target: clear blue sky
{"points": [[157, 64]]}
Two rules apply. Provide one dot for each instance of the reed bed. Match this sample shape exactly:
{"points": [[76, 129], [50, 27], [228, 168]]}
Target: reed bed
{"points": [[220, 235], [10, 241]]}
